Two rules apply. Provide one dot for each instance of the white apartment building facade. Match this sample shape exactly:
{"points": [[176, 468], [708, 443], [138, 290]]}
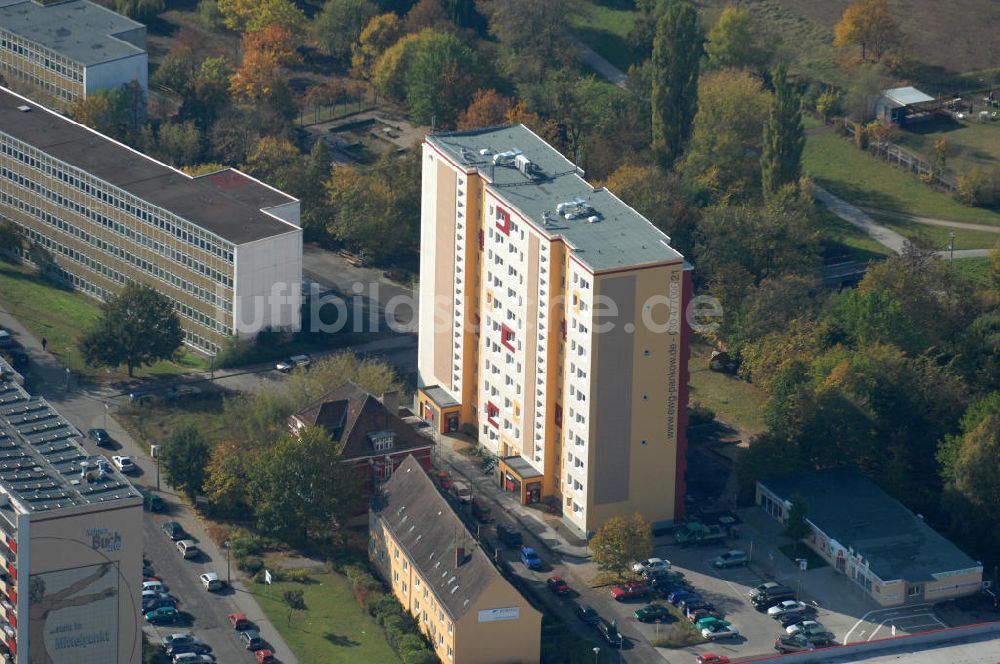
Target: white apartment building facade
{"points": [[551, 320]]}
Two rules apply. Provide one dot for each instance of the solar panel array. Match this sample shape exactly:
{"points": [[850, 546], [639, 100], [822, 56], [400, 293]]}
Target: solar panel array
{"points": [[41, 459]]}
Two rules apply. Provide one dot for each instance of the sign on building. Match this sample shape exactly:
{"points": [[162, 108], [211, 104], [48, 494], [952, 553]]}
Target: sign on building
{"points": [[496, 615]]}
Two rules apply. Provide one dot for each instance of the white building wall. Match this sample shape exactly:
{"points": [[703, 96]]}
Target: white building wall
{"points": [[578, 450], [428, 259], [268, 283], [116, 73], [290, 212]]}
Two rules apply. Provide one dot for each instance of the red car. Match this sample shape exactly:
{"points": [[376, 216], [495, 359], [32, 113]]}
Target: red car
{"points": [[712, 659], [443, 478], [265, 656], [558, 585], [239, 621], [631, 590]]}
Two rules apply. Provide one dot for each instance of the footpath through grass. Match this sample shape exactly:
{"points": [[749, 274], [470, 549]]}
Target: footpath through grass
{"points": [[606, 29], [333, 629], [868, 182], [61, 315]]}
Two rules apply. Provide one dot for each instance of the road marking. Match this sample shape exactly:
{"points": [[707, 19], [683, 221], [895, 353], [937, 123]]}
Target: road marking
{"points": [[864, 618]]}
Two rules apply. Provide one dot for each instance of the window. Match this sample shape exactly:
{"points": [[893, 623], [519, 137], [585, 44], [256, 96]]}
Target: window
{"points": [[507, 337], [491, 413], [558, 415], [503, 221]]}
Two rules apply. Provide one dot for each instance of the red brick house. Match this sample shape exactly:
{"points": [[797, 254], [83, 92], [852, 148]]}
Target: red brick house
{"points": [[370, 431]]}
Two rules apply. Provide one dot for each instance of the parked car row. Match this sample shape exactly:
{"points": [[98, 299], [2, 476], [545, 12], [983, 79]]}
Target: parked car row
{"points": [[799, 631], [159, 607], [607, 631]]}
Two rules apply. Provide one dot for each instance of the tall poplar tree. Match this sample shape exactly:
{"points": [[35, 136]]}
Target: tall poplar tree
{"points": [[784, 137], [677, 49]]}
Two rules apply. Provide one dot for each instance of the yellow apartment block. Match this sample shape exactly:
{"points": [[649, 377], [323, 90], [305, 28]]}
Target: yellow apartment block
{"points": [[463, 604]]}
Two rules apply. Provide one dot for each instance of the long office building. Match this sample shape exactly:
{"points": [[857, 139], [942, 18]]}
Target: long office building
{"points": [[224, 247], [61, 52], [551, 321], [70, 542]]}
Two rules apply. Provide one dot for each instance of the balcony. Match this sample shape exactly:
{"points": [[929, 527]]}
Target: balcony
{"points": [[7, 612]]}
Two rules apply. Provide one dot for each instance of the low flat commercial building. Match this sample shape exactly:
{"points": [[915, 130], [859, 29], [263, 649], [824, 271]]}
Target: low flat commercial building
{"points": [[463, 604], [224, 247], [61, 52], [371, 435], [70, 542], [870, 537]]}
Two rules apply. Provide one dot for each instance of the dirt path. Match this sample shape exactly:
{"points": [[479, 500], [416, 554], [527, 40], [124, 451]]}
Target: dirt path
{"points": [[964, 225]]}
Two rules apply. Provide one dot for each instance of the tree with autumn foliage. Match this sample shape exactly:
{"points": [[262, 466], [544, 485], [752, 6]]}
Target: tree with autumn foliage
{"points": [[381, 32], [277, 162], [265, 52], [256, 15], [869, 25], [621, 541]]}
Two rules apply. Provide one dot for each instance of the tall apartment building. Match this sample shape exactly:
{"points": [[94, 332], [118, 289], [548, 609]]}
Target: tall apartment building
{"points": [[469, 612], [224, 247], [551, 320], [61, 52], [70, 542]]}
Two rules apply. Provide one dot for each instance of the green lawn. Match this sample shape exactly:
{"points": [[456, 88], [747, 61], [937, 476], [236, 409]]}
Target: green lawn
{"points": [[969, 143], [60, 315], [843, 239], [938, 235], [977, 269], [605, 29], [857, 177], [333, 629], [153, 424], [734, 401]]}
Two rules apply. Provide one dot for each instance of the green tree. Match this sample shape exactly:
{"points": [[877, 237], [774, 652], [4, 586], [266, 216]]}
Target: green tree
{"points": [[226, 473], [339, 24], [796, 526], [659, 196], [724, 153], [277, 162], [138, 327], [620, 542], [295, 601], [440, 79], [864, 91], [533, 35], [972, 488], [313, 186], [255, 15], [11, 239], [381, 32], [185, 459], [784, 137], [140, 10], [677, 51], [179, 143], [300, 487], [734, 42], [827, 104]]}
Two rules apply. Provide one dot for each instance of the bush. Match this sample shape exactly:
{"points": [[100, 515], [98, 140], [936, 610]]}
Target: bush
{"points": [[296, 575], [217, 533], [979, 186], [699, 414], [250, 564], [381, 607]]}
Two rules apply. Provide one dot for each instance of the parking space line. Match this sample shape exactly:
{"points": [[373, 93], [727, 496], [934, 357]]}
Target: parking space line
{"points": [[864, 618]]}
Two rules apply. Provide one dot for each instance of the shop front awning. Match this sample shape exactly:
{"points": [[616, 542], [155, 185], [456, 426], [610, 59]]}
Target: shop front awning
{"points": [[521, 469]]}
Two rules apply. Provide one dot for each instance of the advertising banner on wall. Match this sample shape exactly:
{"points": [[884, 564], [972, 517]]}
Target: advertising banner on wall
{"points": [[74, 615]]}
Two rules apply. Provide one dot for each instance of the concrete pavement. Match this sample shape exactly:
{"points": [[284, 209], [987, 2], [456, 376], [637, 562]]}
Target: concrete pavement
{"points": [[600, 65], [87, 406], [856, 217]]}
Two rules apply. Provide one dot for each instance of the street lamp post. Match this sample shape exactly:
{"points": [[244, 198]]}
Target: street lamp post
{"points": [[229, 578], [597, 651], [212, 368], [106, 407], [951, 247]]}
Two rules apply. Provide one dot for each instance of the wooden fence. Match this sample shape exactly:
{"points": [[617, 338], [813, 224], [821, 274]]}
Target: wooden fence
{"points": [[900, 157]]}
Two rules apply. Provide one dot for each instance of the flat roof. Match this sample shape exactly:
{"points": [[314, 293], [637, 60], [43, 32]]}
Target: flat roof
{"points": [[520, 466], [853, 510], [440, 396], [906, 96], [78, 29], [41, 459], [227, 203], [620, 238]]}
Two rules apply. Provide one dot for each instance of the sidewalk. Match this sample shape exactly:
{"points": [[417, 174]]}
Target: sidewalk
{"points": [[548, 528], [82, 406]]}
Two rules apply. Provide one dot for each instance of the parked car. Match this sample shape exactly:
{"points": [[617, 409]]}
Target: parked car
{"points": [[587, 614], [178, 638], [695, 532], [610, 634], [187, 548], [710, 658], [211, 581], [151, 502], [772, 595], [731, 558], [697, 614], [663, 575], [154, 585], [123, 463], [155, 602], [194, 658], [629, 591], [196, 648], [651, 613], [462, 491], [676, 596], [265, 656], [530, 558], [99, 436], [694, 602], [443, 478], [787, 607], [805, 627], [173, 530], [720, 632], [251, 639], [240, 622], [509, 535], [558, 585], [791, 619], [482, 512], [710, 623], [162, 615], [800, 643], [651, 564], [292, 362]]}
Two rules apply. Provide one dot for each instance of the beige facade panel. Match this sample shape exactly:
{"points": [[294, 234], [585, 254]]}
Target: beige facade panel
{"points": [[444, 278]]}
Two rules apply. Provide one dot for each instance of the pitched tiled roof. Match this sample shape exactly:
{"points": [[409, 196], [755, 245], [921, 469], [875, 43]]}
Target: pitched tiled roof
{"points": [[425, 526], [349, 414]]}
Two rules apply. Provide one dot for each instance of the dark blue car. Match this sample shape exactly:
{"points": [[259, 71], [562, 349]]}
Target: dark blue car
{"points": [[676, 596], [530, 558]]}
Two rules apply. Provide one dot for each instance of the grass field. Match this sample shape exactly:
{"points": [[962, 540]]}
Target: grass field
{"points": [[937, 235], [605, 29], [153, 424], [969, 143], [841, 239], [736, 402], [977, 269], [856, 176], [60, 315], [333, 629]]}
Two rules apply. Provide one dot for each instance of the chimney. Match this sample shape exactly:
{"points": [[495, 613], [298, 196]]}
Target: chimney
{"points": [[391, 402], [459, 556]]}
